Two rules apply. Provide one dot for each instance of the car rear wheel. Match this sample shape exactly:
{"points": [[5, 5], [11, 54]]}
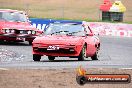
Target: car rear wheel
{"points": [[51, 58], [82, 54], [95, 56], [36, 57]]}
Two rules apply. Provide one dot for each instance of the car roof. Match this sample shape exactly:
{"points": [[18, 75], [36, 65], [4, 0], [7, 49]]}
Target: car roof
{"points": [[11, 10]]}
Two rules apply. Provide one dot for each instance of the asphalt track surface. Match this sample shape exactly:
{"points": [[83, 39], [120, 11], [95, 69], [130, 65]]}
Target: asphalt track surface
{"points": [[115, 52]]}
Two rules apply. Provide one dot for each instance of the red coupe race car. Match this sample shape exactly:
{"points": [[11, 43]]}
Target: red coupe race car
{"points": [[66, 40], [15, 26]]}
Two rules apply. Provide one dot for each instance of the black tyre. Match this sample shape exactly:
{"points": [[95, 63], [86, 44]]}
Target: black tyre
{"points": [[36, 57], [1, 40], [82, 54], [30, 42], [95, 56], [81, 80], [51, 58]]}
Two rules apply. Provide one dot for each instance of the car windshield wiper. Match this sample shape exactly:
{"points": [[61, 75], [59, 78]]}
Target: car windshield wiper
{"points": [[58, 32]]}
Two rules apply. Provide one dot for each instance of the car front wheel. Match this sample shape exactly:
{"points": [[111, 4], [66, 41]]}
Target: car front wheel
{"points": [[95, 56], [36, 57], [30, 42], [82, 54]]}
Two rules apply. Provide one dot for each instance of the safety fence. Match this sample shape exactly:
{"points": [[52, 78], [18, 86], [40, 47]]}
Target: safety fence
{"points": [[99, 28], [112, 29]]}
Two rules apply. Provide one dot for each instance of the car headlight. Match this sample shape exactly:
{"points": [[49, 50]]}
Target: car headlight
{"points": [[33, 32], [12, 31], [29, 32], [7, 31], [21, 32]]}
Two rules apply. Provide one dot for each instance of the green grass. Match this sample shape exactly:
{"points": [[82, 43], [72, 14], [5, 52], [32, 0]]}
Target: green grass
{"points": [[87, 10]]}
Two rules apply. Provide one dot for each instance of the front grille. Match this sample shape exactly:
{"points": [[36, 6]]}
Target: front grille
{"points": [[19, 32], [16, 31], [44, 50]]}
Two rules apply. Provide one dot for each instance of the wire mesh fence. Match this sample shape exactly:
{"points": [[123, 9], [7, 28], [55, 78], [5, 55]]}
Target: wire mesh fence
{"points": [[112, 16]]}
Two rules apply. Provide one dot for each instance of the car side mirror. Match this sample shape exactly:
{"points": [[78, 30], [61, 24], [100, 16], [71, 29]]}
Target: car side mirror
{"points": [[29, 21]]}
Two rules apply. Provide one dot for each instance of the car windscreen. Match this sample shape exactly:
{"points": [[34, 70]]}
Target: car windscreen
{"points": [[13, 16], [65, 29]]}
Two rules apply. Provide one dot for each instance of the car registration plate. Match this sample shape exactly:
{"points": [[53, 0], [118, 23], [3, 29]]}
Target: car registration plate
{"points": [[53, 48], [18, 38]]}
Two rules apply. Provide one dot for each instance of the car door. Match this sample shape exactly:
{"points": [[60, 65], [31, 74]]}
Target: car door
{"points": [[90, 40]]}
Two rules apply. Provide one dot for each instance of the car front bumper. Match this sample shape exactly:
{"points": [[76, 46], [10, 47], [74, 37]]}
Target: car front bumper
{"points": [[17, 37], [64, 50]]}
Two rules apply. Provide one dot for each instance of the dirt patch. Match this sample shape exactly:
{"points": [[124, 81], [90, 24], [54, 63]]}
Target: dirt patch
{"points": [[68, 9], [52, 78]]}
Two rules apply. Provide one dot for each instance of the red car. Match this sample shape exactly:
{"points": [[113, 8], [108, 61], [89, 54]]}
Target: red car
{"points": [[15, 26], [66, 40]]}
